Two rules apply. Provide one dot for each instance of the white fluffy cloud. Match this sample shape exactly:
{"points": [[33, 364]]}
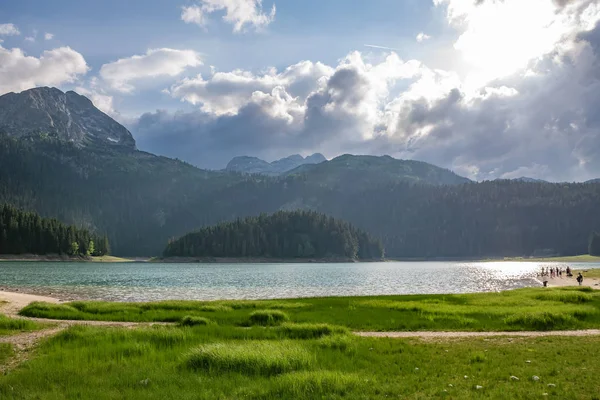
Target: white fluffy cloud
{"points": [[536, 115], [421, 37], [48, 36], [239, 13], [54, 67], [156, 62], [501, 37], [9, 30]]}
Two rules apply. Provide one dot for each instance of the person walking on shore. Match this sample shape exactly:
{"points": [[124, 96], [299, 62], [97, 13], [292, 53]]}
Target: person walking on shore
{"points": [[580, 278]]}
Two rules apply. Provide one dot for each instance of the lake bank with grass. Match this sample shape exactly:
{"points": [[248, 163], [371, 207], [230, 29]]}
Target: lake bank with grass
{"points": [[308, 349], [65, 258]]}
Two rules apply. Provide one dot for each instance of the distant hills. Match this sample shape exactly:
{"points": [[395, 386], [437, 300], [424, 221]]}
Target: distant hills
{"points": [[254, 165], [361, 171], [63, 158]]}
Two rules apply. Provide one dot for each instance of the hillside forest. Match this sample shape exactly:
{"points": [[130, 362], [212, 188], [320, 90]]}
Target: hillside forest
{"points": [[299, 234]]}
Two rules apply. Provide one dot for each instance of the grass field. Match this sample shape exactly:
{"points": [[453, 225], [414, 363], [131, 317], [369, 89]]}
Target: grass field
{"points": [[524, 309], [589, 273], [212, 362], [10, 326], [585, 258]]}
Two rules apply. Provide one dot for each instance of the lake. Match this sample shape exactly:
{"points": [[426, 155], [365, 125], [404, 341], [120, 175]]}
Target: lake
{"points": [[158, 281]]}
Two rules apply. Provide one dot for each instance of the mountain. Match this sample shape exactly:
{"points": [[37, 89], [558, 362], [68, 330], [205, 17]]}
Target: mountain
{"points": [[593, 181], [253, 165], [362, 171], [141, 201], [67, 116]]}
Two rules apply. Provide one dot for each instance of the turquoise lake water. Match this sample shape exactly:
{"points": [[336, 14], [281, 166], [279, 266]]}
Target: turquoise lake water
{"points": [[157, 281]]}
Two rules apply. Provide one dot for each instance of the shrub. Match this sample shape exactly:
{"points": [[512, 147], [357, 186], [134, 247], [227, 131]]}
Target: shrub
{"points": [[189, 320], [268, 317], [309, 331], [250, 357]]}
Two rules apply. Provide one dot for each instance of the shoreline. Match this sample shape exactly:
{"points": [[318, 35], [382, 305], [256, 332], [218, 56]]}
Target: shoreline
{"points": [[9, 293], [585, 259], [65, 258], [256, 260]]}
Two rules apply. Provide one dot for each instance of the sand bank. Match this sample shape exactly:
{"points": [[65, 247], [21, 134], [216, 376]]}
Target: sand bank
{"points": [[13, 302]]}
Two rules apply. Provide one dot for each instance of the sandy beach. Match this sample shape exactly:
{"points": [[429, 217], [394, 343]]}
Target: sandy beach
{"points": [[12, 302], [565, 281]]}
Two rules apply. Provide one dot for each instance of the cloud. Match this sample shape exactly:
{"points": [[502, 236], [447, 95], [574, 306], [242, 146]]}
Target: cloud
{"points": [[19, 72], [536, 26], [30, 39], [156, 62], [537, 118], [48, 36], [193, 15], [421, 37], [9, 30], [227, 92], [239, 13]]}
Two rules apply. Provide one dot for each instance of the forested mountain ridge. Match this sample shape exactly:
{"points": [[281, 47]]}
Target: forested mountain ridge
{"points": [[131, 196], [351, 171], [65, 116], [254, 165], [283, 235], [24, 232], [140, 200]]}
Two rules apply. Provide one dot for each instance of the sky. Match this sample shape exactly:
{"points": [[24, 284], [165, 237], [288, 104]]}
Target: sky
{"points": [[488, 88]]}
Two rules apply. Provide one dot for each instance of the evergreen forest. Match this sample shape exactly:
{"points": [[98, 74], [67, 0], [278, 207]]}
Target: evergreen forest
{"points": [[299, 234], [24, 232], [140, 201]]}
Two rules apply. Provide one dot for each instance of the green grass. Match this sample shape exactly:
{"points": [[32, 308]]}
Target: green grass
{"points": [[574, 259], [268, 317], [218, 362], [195, 321], [250, 357], [589, 273], [310, 331], [6, 352], [568, 308], [10, 326]]}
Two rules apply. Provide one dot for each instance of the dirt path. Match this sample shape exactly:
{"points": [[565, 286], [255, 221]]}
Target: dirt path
{"points": [[23, 343], [437, 335]]}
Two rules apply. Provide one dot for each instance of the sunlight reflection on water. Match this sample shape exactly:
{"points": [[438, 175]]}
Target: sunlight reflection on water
{"points": [[156, 281]]}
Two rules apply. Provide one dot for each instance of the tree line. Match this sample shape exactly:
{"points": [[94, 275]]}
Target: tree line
{"points": [[24, 232], [299, 234]]}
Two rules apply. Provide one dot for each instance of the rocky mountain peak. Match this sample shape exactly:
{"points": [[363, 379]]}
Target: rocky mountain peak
{"points": [[253, 165], [67, 116]]}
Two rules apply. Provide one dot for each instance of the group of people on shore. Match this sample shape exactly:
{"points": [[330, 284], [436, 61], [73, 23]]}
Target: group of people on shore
{"points": [[557, 272]]}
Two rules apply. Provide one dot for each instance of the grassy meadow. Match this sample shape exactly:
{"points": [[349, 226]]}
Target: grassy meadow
{"points": [[523, 309], [305, 349], [214, 362], [11, 326]]}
